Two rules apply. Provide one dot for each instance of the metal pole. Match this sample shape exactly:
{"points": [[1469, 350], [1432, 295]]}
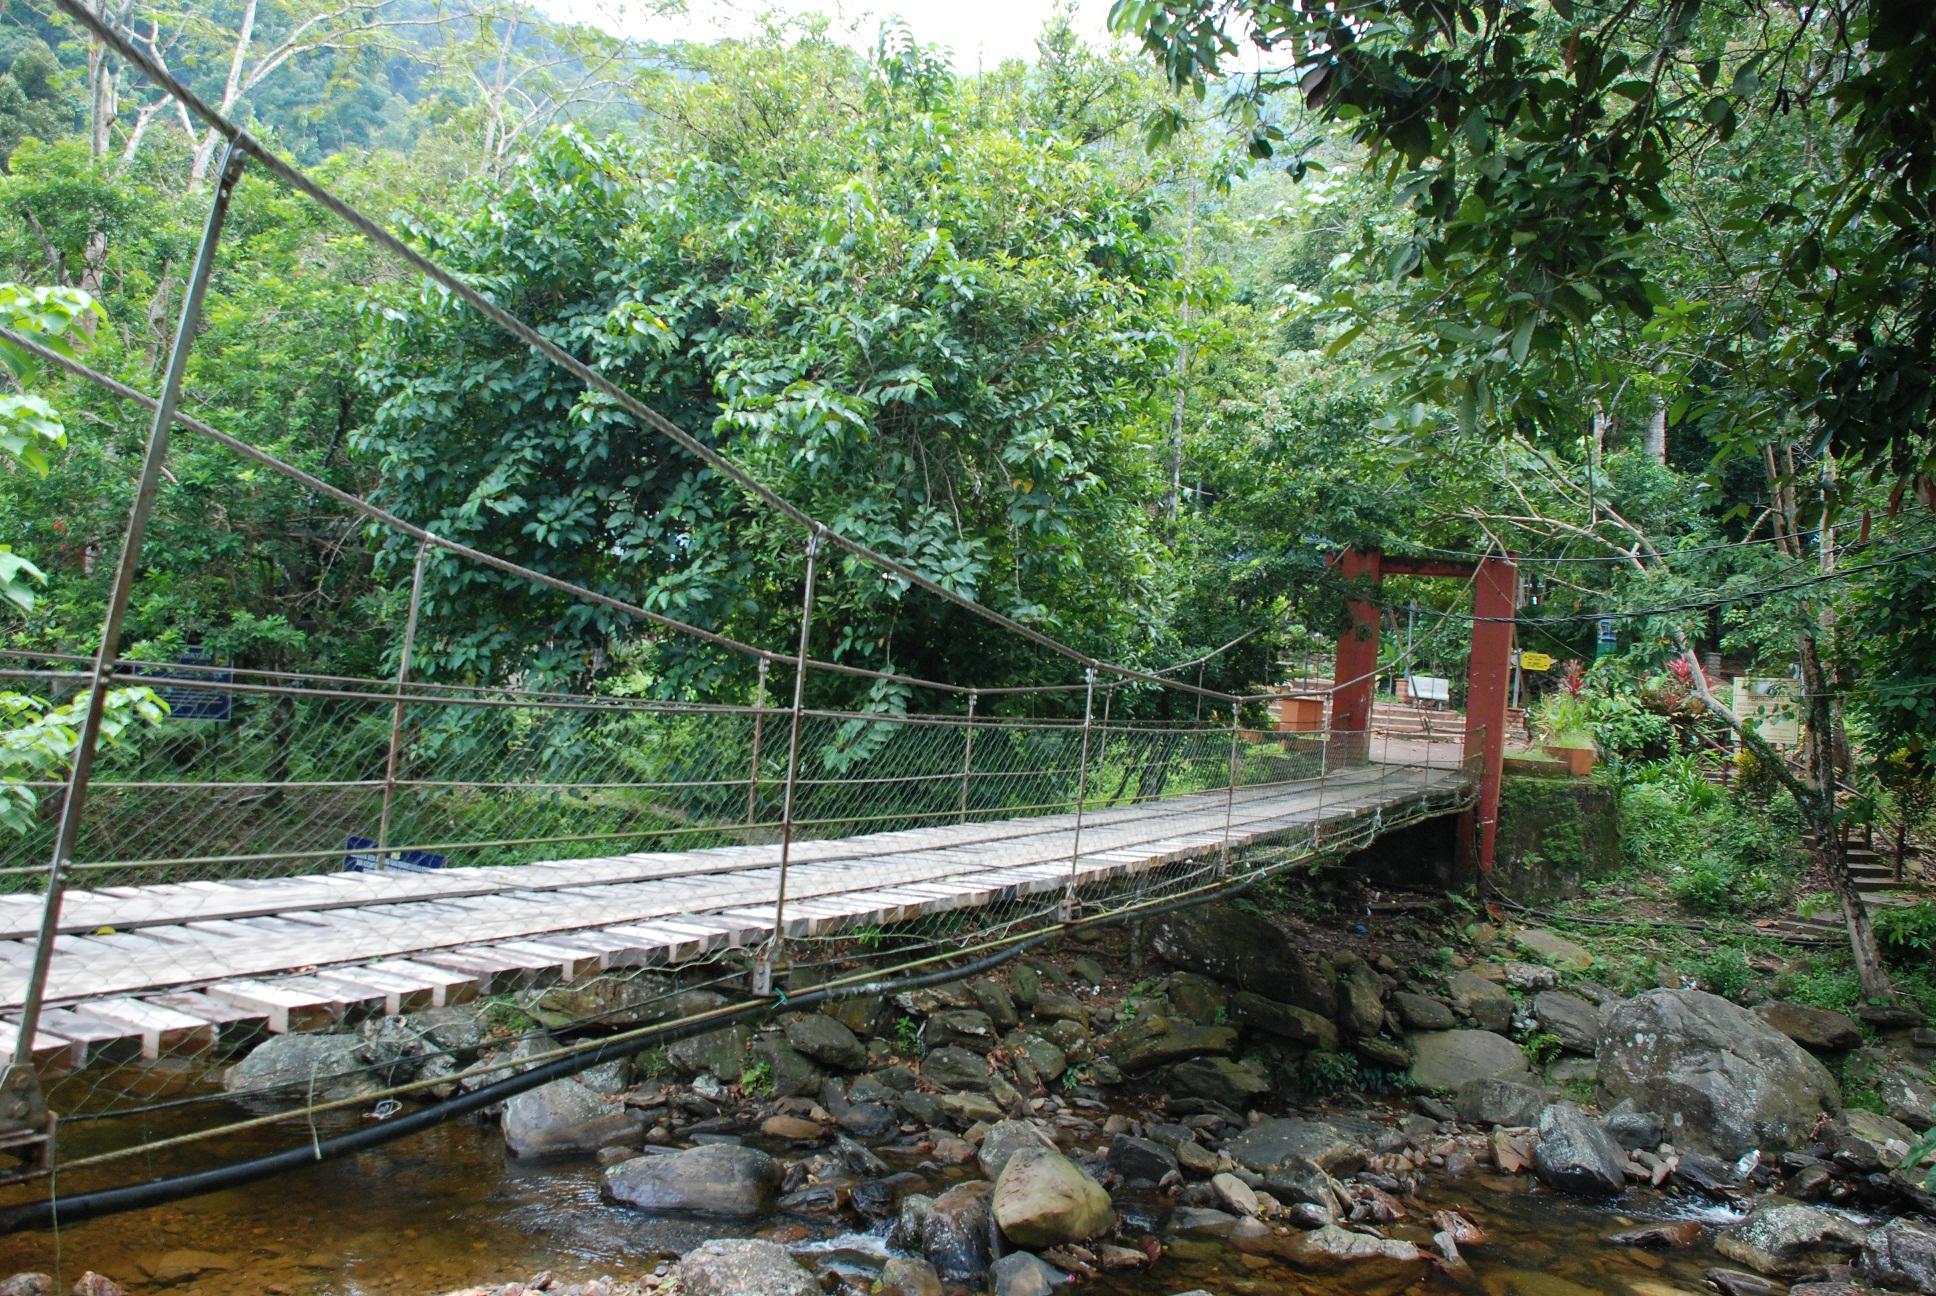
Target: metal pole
{"points": [[1230, 796], [759, 723], [763, 966], [968, 757], [1067, 912], [396, 713], [23, 1102]]}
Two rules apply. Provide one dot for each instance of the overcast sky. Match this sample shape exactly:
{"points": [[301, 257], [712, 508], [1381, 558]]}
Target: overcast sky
{"points": [[980, 32]]}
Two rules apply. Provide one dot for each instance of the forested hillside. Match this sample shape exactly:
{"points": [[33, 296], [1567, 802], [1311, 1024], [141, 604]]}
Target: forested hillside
{"points": [[1122, 361]]}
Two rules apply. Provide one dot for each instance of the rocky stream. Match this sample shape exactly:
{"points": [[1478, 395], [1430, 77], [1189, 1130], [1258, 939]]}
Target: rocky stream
{"points": [[1234, 1112]]}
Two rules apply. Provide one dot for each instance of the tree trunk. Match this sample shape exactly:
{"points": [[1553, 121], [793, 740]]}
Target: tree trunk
{"points": [[1820, 807], [1657, 432]]}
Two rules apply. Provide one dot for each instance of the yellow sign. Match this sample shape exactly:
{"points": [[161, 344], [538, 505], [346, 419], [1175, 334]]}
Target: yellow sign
{"points": [[1535, 661]]}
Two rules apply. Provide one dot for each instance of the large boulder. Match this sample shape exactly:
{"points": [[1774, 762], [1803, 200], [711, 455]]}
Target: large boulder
{"points": [[1045, 1059], [956, 1068], [1725, 1081], [1299, 1026], [1555, 950], [1232, 944], [1422, 1012], [720, 1053], [1219, 1079], [1575, 1021], [565, 1116], [1907, 1098], [1577, 1155], [1273, 1144], [827, 1042], [1361, 1002], [1043, 1199], [789, 1072], [1447, 1059], [300, 1067], [1817, 1029], [1486, 1101], [1782, 1236], [955, 1230], [1150, 1042], [716, 1179], [1490, 1003], [743, 1267], [1901, 1254]]}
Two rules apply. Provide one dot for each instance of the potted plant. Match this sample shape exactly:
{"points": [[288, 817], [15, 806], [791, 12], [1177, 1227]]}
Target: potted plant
{"points": [[1566, 729]]}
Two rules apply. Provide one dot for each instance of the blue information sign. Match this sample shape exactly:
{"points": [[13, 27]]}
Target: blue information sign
{"points": [[194, 703], [363, 858]]}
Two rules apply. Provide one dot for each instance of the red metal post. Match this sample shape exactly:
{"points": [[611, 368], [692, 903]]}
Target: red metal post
{"points": [[1355, 679], [1494, 603]]}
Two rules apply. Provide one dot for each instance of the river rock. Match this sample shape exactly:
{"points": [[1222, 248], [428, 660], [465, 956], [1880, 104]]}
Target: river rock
{"points": [[1816, 1029], [1151, 1042], [1369, 1260], [1490, 1004], [1361, 1002], [714, 1179], [1020, 1274], [1380, 1051], [1486, 1101], [956, 1068], [720, 1053], [993, 998], [1234, 945], [1577, 1155], [1202, 1221], [1047, 1061], [1238, 1197], [1422, 1012], [907, 1276], [965, 1028], [1782, 1236], [1299, 1026], [1024, 983], [870, 1120], [1634, 1130], [27, 1284], [301, 1066], [955, 1230], [1044, 1199], [968, 1108], [1053, 1006], [1197, 999], [94, 1284], [1133, 1159], [1447, 1059], [1219, 1079], [1003, 1140], [1556, 950], [1864, 1139], [789, 1072], [565, 1116], [1908, 1099], [1574, 1020], [1726, 1081], [827, 1042], [1901, 1254], [743, 1267], [1272, 1144]]}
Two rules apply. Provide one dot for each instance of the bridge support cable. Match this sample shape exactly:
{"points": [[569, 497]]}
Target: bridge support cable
{"points": [[1069, 900], [775, 952], [22, 1107]]}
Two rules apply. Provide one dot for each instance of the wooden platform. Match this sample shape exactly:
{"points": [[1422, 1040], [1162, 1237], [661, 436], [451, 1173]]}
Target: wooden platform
{"points": [[144, 971]]}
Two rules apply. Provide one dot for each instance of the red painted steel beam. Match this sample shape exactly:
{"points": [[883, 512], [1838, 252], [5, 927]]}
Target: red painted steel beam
{"points": [[1494, 604], [1355, 676]]}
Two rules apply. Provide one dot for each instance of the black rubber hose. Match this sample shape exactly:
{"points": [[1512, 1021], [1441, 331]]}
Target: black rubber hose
{"points": [[109, 1201]]}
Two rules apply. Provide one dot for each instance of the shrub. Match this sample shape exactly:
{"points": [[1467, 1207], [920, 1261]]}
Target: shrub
{"points": [[1327, 1073], [1907, 933], [1724, 972]]}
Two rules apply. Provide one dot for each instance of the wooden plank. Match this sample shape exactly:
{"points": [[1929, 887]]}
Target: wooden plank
{"points": [[163, 1031], [283, 1009], [72, 1040], [233, 1024], [451, 987]]}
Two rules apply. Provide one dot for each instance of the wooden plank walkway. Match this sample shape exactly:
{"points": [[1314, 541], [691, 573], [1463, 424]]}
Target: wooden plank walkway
{"points": [[140, 971]]}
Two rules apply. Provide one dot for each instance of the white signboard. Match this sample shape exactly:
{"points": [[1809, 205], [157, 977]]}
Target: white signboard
{"points": [[1771, 704], [1428, 688]]}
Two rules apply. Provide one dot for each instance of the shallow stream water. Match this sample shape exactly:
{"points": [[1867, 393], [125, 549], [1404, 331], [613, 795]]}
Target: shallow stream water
{"points": [[449, 1208]]}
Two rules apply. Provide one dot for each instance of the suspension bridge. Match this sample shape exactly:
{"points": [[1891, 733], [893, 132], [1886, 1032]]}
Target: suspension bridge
{"points": [[325, 849]]}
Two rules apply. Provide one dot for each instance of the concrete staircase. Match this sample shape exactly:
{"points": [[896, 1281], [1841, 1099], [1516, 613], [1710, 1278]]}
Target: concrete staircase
{"points": [[1874, 874]]}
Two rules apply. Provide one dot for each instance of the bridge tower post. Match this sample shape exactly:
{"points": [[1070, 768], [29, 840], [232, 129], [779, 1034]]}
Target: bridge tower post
{"points": [[1355, 678], [1495, 600]]}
